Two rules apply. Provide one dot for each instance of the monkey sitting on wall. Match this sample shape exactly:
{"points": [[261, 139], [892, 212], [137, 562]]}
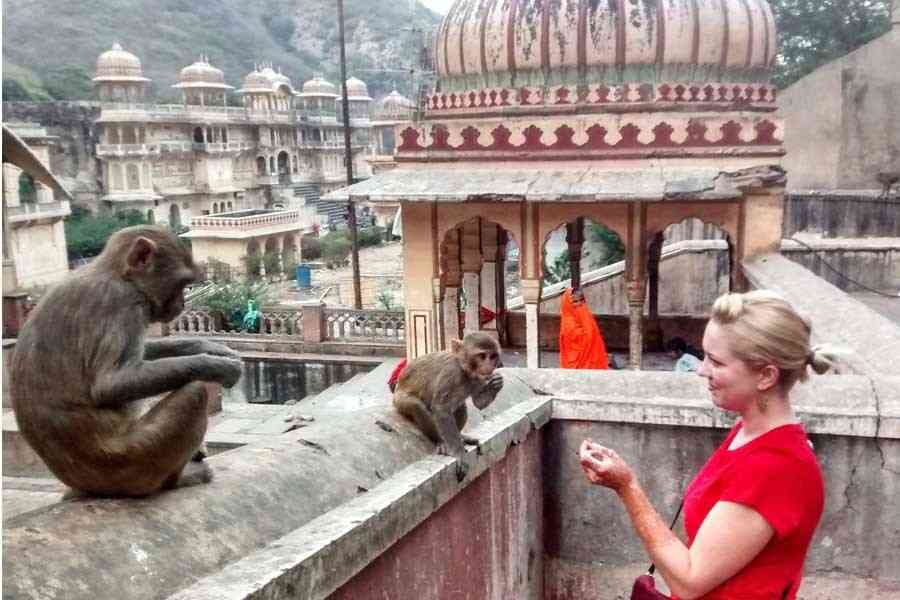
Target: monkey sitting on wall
{"points": [[433, 388], [81, 363]]}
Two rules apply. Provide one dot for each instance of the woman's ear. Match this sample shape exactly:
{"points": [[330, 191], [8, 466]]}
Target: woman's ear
{"points": [[768, 378]]}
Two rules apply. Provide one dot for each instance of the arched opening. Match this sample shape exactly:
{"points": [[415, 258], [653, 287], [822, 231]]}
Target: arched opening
{"points": [[261, 165], [479, 271], [689, 265], [272, 257], [272, 164], [198, 135], [253, 260], [133, 175], [289, 258], [215, 207], [174, 216], [27, 189], [283, 163], [587, 255], [151, 216]]}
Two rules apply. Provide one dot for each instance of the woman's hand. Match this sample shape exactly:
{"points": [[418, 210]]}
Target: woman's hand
{"points": [[603, 466]]}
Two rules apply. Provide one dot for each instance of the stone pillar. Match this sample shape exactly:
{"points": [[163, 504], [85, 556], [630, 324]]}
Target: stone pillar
{"points": [[315, 328], [452, 279], [575, 240], [437, 308], [470, 257], [500, 279], [531, 294], [489, 252], [635, 292]]}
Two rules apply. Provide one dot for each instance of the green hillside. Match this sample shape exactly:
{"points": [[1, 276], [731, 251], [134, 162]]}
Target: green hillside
{"points": [[50, 47]]}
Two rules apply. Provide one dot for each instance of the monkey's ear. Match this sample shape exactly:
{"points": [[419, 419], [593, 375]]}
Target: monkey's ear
{"points": [[455, 345], [140, 253]]}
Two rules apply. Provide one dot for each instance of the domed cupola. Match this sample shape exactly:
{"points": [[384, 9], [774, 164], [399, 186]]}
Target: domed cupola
{"points": [[529, 42], [119, 76], [201, 74], [318, 86], [395, 106], [357, 89], [117, 64]]}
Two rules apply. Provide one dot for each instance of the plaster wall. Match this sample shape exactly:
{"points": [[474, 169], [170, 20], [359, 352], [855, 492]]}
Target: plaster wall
{"points": [[842, 214], [842, 125], [230, 252], [485, 544], [39, 252]]}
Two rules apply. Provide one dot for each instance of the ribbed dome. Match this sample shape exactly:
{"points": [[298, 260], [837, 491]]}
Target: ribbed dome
{"points": [[357, 89], [118, 65], [258, 81], [515, 42], [201, 74], [282, 79], [395, 100], [319, 87]]}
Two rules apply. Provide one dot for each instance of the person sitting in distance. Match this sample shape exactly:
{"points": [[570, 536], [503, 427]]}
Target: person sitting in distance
{"points": [[751, 512], [685, 360]]}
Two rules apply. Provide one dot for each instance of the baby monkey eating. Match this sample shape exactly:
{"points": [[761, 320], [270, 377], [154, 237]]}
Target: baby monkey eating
{"points": [[432, 391]]}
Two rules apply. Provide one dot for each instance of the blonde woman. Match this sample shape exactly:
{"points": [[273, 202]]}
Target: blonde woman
{"points": [[751, 512]]}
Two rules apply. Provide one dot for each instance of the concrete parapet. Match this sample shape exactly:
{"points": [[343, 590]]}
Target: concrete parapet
{"points": [[357, 501], [836, 317]]}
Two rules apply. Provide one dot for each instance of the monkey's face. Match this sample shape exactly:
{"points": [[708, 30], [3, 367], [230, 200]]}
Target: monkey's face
{"points": [[170, 301], [482, 360]]}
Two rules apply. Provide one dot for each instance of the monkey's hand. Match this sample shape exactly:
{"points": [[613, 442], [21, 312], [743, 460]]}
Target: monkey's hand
{"points": [[226, 371], [488, 392], [217, 349]]}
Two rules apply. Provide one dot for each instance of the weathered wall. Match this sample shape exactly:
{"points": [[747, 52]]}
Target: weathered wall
{"points": [[835, 214], [842, 125], [73, 158], [485, 544]]}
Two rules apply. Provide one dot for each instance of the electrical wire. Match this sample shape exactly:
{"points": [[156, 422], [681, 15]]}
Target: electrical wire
{"points": [[853, 281]]}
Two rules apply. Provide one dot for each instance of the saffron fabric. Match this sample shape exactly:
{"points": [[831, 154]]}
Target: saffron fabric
{"points": [[581, 344], [776, 475]]}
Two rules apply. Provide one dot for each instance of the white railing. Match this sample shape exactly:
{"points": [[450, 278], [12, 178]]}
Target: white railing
{"points": [[27, 211], [124, 149], [358, 325], [281, 217], [279, 322]]}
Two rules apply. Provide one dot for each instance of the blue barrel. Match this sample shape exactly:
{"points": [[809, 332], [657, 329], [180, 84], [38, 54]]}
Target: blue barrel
{"points": [[304, 276]]}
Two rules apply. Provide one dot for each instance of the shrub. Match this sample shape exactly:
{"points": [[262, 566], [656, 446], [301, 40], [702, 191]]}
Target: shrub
{"points": [[86, 234]]}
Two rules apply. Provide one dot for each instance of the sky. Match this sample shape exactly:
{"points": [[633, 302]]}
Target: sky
{"points": [[439, 6]]}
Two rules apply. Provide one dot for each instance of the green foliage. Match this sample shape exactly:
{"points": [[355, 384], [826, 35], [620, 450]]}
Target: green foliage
{"points": [[604, 245], [272, 263], [13, 91], [370, 236], [69, 82], [335, 248], [230, 299], [310, 247], [281, 27], [814, 32], [27, 191], [86, 234], [385, 299], [560, 270], [252, 264]]}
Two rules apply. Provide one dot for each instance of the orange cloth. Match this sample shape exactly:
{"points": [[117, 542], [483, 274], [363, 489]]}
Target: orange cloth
{"points": [[581, 344]]}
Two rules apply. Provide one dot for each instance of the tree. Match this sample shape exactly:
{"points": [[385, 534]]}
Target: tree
{"points": [[86, 234], [814, 32]]}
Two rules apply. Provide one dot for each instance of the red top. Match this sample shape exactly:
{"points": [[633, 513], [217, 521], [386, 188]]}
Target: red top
{"points": [[776, 475]]}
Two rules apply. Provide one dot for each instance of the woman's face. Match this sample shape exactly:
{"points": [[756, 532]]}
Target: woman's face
{"points": [[732, 383]]}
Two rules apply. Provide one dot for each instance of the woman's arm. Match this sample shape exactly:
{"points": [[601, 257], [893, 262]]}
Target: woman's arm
{"points": [[729, 538]]}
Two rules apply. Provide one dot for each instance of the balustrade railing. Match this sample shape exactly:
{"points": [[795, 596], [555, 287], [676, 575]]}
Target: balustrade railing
{"points": [[340, 325], [350, 325]]}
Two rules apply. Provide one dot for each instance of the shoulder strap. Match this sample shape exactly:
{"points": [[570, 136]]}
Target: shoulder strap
{"points": [[672, 526]]}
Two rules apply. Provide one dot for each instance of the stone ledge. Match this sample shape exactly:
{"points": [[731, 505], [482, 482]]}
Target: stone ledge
{"points": [[313, 561]]}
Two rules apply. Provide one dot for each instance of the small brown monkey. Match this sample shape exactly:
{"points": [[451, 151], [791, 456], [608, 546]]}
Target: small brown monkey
{"points": [[432, 391], [81, 363]]}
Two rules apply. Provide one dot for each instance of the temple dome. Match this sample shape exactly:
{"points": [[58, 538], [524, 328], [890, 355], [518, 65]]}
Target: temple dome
{"points": [[530, 41], [357, 89], [317, 86], [259, 81], [117, 64], [201, 74], [395, 105]]}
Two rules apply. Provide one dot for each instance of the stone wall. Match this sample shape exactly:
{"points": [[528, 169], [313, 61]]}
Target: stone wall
{"points": [[837, 214], [842, 125], [73, 157]]}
